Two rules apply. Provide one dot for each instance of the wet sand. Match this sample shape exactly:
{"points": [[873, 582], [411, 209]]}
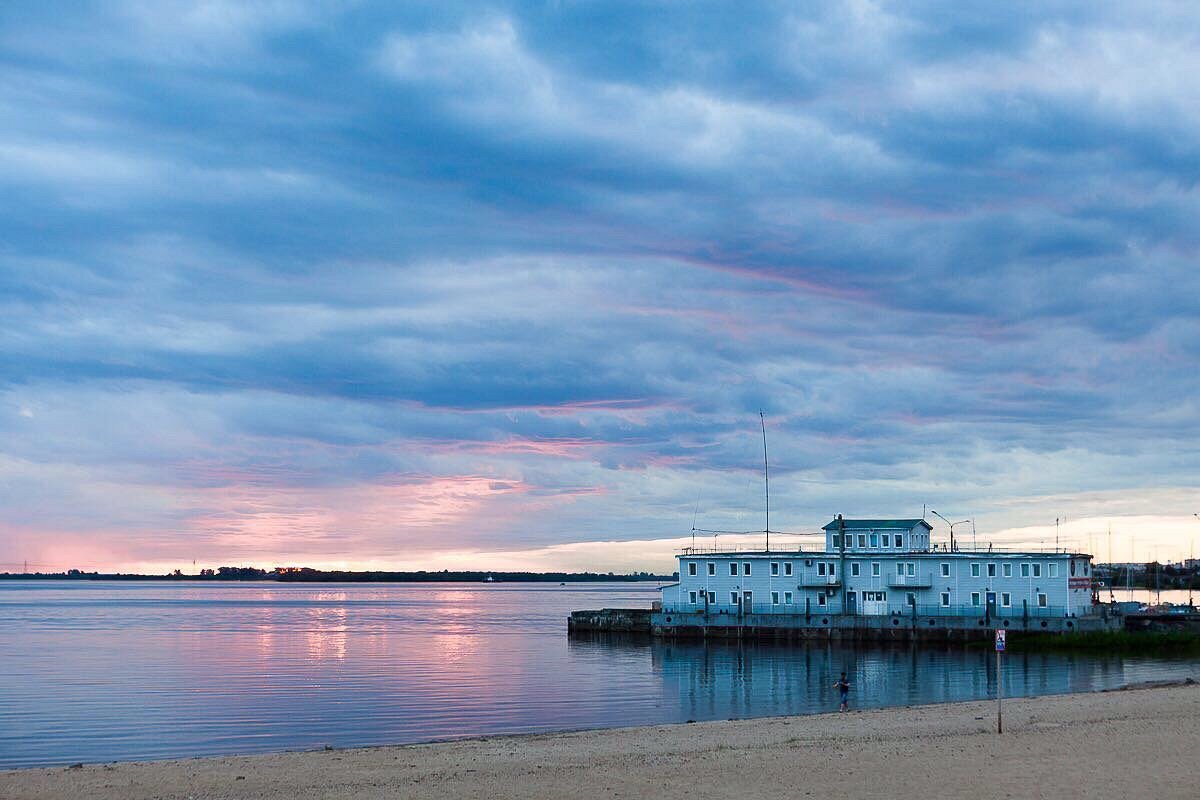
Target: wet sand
{"points": [[1142, 742]]}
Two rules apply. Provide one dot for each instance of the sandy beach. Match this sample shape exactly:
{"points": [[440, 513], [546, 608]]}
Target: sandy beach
{"points": [[1138, 742]]}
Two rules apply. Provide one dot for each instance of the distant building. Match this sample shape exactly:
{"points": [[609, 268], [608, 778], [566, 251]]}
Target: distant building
{"points": [[877, 567]]}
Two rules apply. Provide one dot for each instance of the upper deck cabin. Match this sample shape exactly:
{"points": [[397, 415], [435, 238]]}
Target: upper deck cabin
{"points": [[877, 536]]}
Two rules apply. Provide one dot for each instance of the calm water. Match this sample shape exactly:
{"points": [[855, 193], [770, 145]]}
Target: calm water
{"points": [[117, 671]]}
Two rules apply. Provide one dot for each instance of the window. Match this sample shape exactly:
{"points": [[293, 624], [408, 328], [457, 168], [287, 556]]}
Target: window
{"points": [[875, 569], [912, 568], [821, 599], [899, 540], [692, 598], [945, 599], [1024, 570], [774, 598], [691, 568], [746, 568], [733, 598], [1005, 599], [1072, 568], [899, 567], [874, 540], [787, 598], [910, 598], [712, 568], [974, 570], [885, 541], [1041, 601], [1037, 570], [1008, 570], [1053, 570], [831, 571], [837, 541], [1085, 568], [945, 570], [712, 598], [787, 568], [854, 566], [991, 570], [974, 598], [733, 568], [774, 567], [862, 540], [821, 568]]}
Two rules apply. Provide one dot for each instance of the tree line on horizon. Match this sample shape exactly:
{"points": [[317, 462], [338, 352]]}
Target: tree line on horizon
{"points": [[310, 575]]}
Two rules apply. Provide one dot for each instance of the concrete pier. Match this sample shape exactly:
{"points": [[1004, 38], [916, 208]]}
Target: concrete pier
{"points": [[610, 620], [859, 627], [852, 627]]}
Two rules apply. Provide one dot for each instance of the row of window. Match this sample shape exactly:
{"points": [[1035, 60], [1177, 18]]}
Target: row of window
{"points": [[745, 565], [868, 597], [1005, 599], [876, 540], [736, 599], [1028, 569]]}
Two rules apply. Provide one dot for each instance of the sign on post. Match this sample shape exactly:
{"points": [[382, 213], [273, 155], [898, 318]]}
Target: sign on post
{"points": [[1000, 641]]}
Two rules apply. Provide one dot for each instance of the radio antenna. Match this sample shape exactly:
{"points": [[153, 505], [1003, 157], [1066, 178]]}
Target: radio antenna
{"points": [[766, 480]]}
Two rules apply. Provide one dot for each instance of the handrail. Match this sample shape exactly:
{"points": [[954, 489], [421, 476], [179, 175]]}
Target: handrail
{"points": [[879, 551], [731, 550]]}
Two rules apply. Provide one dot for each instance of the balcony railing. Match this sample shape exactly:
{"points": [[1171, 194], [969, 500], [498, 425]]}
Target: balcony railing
{"points": [[748, 550], [910, 581], [820, 581]]}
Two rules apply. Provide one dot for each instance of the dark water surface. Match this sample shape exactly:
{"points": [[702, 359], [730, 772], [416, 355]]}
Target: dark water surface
{"points": [[98, 671]]}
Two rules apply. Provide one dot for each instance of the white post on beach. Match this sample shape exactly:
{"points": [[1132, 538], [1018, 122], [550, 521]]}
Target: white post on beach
{"points": [[1000, 635]]}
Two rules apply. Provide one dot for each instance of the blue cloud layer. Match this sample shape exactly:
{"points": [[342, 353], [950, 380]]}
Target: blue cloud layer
{"points": [[575, 249]]}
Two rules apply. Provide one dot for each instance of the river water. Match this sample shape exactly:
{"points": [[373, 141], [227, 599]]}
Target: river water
{"points": [[103, 671]]}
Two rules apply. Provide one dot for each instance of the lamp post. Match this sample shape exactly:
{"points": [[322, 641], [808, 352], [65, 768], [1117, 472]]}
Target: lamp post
{"points": [[951, 524]]}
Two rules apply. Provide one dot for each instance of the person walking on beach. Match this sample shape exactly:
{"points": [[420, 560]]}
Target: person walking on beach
{"points": [[843, 687]]}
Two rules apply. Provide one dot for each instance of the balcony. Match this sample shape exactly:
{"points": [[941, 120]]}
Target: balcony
{"points": [[820, 581], [910, 581]]}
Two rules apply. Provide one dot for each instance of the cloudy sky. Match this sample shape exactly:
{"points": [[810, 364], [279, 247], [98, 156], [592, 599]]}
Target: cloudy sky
{"points": [[507, 285]]}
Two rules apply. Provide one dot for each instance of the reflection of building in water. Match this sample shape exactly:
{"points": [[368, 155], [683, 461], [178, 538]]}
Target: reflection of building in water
{"points": [[882, 575], [730, 679]]}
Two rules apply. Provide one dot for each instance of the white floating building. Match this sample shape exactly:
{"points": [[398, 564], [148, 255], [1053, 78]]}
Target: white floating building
{"points": [[879, 574]]}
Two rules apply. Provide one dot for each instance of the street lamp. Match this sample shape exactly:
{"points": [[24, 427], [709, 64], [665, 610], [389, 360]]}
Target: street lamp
{"points": [[951, 524]]}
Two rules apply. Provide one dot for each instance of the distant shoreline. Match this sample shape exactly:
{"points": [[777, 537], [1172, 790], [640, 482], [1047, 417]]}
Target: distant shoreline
{"points": [[1072, 745], [323, 576]]}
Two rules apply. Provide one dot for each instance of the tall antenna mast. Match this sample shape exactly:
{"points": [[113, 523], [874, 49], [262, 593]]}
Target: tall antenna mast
{"points": [[766, 479], [1112, 578]]}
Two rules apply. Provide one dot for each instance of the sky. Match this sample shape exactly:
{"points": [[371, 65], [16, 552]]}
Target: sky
{"points": [[507, 285]]}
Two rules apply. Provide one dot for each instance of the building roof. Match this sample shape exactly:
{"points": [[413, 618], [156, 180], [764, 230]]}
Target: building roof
{"points": [[878, 524]]}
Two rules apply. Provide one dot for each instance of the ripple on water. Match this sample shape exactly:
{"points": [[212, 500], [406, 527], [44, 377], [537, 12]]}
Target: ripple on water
{"points": [[95, 671]]}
